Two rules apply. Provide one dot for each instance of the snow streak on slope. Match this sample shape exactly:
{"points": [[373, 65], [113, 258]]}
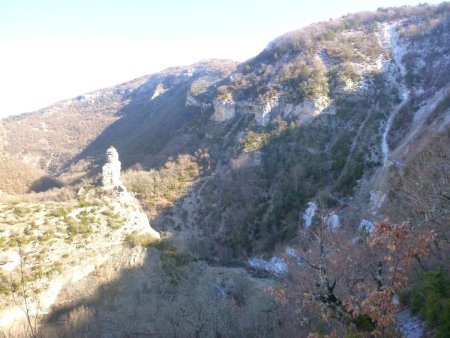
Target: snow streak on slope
{"points": [[309, 213], [391, 40]]}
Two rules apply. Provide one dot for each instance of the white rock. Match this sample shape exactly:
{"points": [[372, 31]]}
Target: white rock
{"points": [[262, 114], [223, 110], [111, 170], [192, 101], [309, 109], [158, 91], [410, 326], [275, 266]]}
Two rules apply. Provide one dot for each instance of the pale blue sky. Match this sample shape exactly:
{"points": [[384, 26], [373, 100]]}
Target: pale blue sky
{"points": [[54, 49]]}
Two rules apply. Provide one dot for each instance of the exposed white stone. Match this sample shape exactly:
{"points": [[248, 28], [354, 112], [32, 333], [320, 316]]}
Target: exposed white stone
{"points": [[192, 101], [111, 170], [275, 266], [223, 110], [309, 109], [291, 252], [158, 91], [288, 109], [262, 114], [123, 201]]}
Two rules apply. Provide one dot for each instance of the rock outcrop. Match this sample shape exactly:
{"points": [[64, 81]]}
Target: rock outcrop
{"points": [[306, 111], [223, 110], [262, 115], [104, 221], [122, 201]]}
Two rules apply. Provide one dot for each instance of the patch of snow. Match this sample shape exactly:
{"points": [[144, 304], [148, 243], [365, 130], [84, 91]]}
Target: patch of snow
{"points": [[398, 50], [275, 266], [410, 326], [390, 40], [333, 221], [395, 300], [376, 201], [309, 213], [366, 225], [291, 252]]}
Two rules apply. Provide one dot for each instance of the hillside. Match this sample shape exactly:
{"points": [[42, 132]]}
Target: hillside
{"points": [[330, 146], [54, 137], [18, 177]]}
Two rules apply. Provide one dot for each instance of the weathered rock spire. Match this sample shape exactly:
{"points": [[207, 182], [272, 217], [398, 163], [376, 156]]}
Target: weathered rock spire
{"points": [[111, 170]]}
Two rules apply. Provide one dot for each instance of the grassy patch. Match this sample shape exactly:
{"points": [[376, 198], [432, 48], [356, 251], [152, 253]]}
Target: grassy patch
{"points": [[431, 300], [135, 239]]}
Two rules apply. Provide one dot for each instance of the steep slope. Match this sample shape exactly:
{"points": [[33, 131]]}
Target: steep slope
{"points": [[320, 115], [148, 111], [18, 177]]}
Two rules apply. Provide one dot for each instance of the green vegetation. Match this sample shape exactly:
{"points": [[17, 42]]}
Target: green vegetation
{"points": [[339, 154], [304, 79], [257, 140], [159, 189], [85, 204], [135, 239], [5, 288], [76, 228], [114, 221], [59, 212], [430, 298], [173, 263]]}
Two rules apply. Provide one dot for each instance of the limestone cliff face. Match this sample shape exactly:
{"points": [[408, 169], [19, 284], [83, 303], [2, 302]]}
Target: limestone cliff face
{"points": [[264, 112], [309, 109], [223, 110], [262, 115]]}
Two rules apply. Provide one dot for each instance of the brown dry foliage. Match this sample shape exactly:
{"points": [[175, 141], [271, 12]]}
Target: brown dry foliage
{"points": [[344, 279], [16, 176], [160, 189]]}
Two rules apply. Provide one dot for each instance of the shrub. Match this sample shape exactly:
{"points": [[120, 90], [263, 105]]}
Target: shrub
{"points": [[135, 239], [159, 189], [172, 263], [431, 300]]}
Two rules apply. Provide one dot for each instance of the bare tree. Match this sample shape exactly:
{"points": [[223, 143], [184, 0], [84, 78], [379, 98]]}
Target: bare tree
{"points": [[349, 279]]}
